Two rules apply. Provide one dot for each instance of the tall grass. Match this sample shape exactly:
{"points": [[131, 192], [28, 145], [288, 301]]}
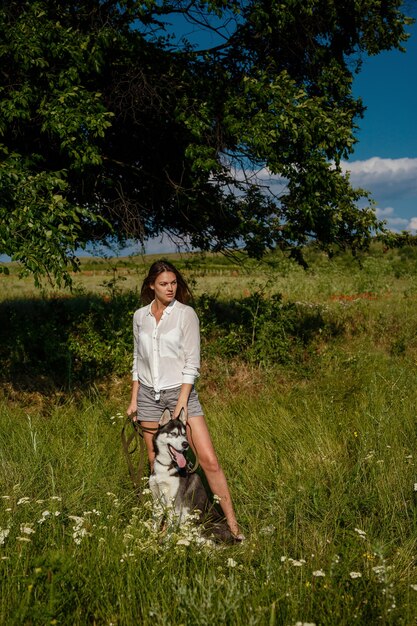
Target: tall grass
{"points": [[320, 454], [322, 477]]}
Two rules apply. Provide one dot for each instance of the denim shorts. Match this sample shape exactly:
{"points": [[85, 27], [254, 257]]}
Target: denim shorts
{"points": [[150, 410]]}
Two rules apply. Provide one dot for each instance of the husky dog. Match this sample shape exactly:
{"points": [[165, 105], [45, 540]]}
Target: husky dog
{"points": [[180, 492]]}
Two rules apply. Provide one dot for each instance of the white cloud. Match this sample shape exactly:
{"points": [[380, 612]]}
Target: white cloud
{"points": [[384, 177], [393, 221], [393, 185], [383, 214], [412, 225], [397, 223]]}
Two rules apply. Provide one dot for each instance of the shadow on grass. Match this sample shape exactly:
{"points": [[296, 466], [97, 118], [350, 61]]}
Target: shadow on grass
{"points": [[64, 343], [71, 343]]}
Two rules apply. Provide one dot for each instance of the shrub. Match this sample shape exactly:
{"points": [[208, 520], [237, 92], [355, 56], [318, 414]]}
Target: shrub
{"points": [[261, 330]]}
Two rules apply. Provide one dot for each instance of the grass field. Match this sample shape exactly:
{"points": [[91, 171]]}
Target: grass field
{"points": [[319, 449]]}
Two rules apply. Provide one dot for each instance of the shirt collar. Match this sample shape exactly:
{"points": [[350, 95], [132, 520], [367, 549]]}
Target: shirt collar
{"points": [[167, 310], [170, 306]]}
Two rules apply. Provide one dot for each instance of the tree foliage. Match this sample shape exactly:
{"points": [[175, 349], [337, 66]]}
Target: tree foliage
{"points": [[114, 125]]}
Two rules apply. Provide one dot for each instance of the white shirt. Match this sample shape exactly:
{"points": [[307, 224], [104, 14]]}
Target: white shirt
{"points": [[166, 354]]}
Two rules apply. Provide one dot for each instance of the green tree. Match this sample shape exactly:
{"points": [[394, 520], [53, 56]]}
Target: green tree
{"points": [[114, 126]]}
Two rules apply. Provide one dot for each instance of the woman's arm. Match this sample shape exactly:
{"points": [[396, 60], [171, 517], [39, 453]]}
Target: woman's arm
{"points": [[133, 406], [191, 346], [191, 338]]}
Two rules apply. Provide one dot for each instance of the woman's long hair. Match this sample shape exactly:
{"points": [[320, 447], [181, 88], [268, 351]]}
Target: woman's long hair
{"points": [[183, 294]]}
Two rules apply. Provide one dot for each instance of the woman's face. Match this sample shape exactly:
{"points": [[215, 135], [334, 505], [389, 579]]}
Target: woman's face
{"points": [[165, 287]]}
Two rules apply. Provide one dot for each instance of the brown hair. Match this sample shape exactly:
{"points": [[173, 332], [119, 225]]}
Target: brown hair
{"points": [[183, 294]]}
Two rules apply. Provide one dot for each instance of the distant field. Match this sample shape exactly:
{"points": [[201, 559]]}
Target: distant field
{"points": [[308, 384], [378, 272]]}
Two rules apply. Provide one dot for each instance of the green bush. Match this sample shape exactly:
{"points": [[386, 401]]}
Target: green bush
{"points": [[259, 329], [65, 342]]}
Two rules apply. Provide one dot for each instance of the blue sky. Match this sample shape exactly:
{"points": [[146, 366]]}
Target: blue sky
{"points": [[385, 158]]}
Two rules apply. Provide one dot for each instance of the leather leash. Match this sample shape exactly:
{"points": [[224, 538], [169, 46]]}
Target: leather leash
{"points": [[131, 442]]}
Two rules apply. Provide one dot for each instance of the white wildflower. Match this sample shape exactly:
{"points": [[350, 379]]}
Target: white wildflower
{"points": [[79, 534], [44, 517], [23, 500], [231, 563], [4, 533], [283, 559], [355, 575], [183, 542], [360, 532], [6, 497], [126, 555], [24, 539], [56, 498], [267, 530], [79, 531], [413, 587], [318, 573], [26, 529]]}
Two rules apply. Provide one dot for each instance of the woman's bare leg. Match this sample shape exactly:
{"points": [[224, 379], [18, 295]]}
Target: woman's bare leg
{"points": [[148, 433], [200, 440]]}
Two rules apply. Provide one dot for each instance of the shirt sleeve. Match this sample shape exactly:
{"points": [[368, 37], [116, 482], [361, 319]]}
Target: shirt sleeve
{"points": [[191, 345], [135, 347]]}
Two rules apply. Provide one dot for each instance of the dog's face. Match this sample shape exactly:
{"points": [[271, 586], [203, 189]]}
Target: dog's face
{"points": [[170, 441]]}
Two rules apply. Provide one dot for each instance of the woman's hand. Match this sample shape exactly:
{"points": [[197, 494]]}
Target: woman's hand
{"points": [[182, 402], [132, 411]]}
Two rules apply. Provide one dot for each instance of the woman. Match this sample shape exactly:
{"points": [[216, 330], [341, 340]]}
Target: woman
{"points": [[166, 362]]}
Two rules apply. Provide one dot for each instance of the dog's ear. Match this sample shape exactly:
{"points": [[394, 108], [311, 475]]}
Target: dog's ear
{"points": [[165, 417], [182, 417]]}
